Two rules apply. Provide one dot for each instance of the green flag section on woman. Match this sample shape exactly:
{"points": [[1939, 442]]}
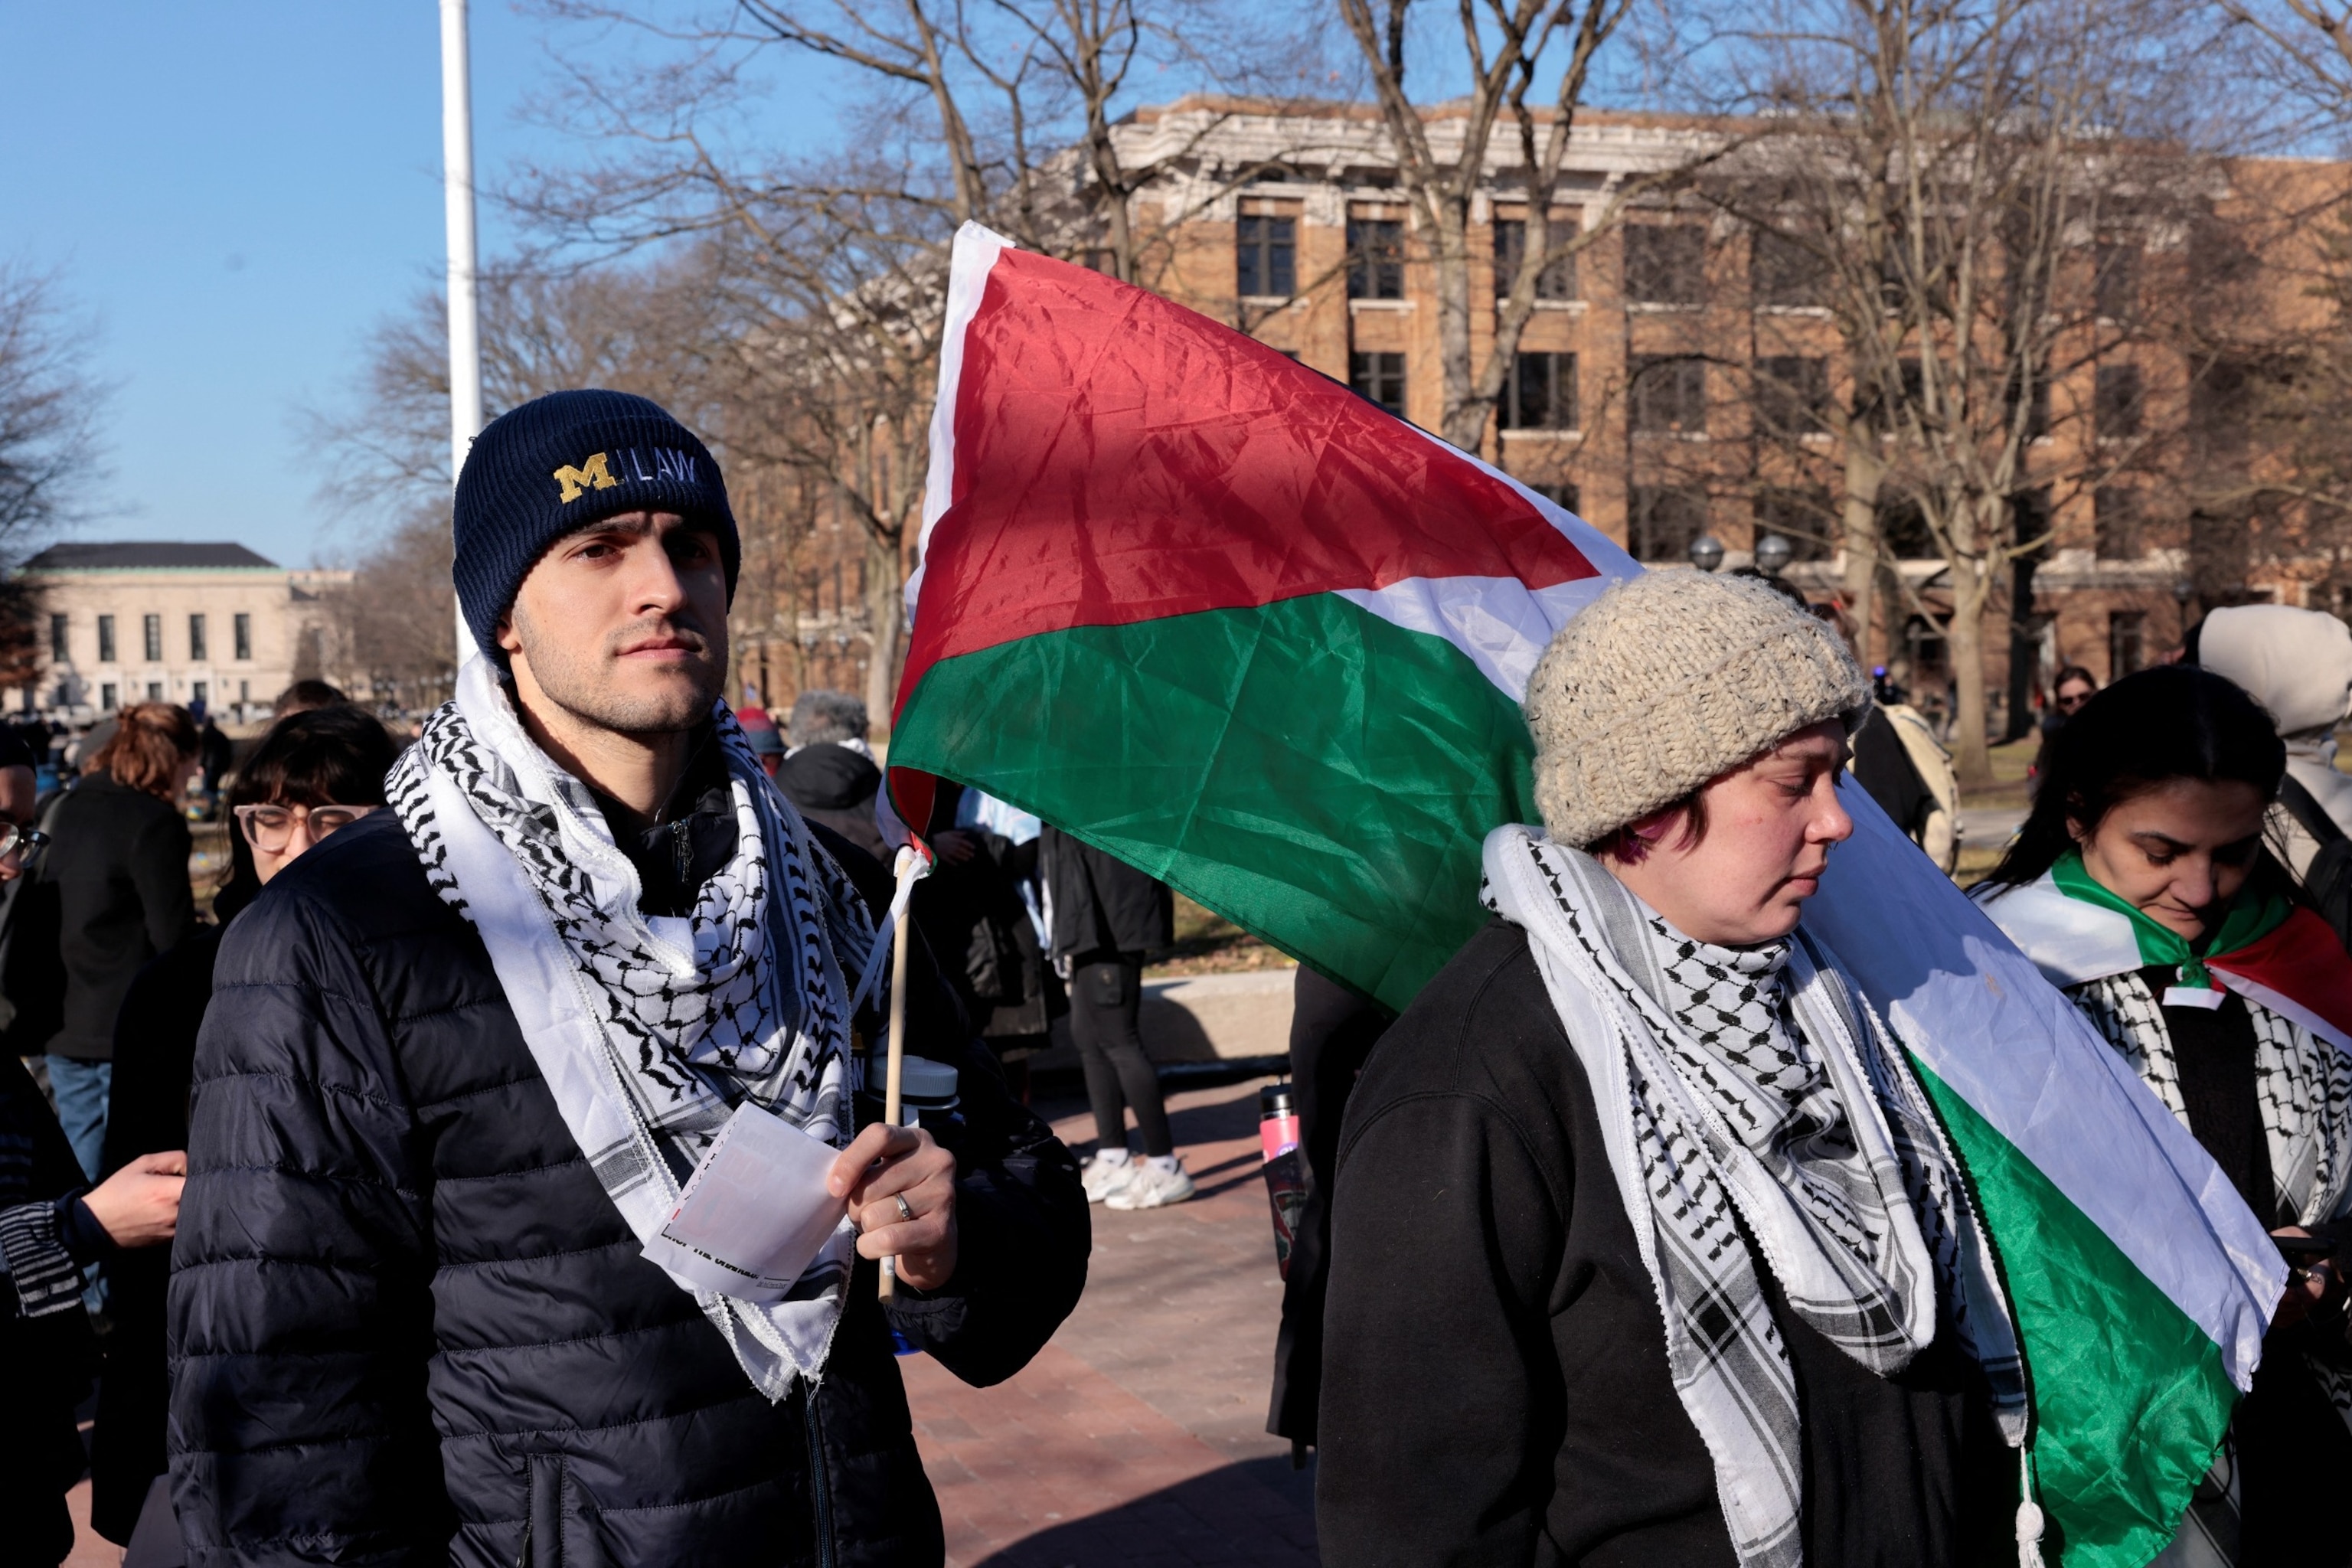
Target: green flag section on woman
{"points": [[1214, 614]]}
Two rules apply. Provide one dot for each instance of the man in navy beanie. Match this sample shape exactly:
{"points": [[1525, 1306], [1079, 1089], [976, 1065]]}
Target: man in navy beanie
{"points": [[430, 1300]]}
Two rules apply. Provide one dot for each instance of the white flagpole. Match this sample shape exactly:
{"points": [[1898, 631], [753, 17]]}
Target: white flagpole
{"points": [[464, 318]]}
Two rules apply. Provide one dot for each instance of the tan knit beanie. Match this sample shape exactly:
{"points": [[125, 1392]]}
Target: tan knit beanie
{"points": [[1668, 679]]}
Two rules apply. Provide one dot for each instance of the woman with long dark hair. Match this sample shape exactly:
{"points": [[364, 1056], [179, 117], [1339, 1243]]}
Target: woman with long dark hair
{"points": [[2138, 885]]}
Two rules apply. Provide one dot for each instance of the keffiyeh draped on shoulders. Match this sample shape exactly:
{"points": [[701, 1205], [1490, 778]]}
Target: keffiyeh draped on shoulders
{"points": [[648, 1043]]}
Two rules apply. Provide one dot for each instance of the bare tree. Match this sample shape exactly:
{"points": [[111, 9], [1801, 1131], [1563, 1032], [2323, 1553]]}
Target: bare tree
{"points": [[828, 270], [1445, 163], [49, 409], [395, 621], [1948, 167]]}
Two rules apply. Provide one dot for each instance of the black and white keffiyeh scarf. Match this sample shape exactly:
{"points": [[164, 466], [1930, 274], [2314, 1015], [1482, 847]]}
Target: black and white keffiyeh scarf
{"points": [[2303, 1085], [650, 1032], [1754, 1090]]}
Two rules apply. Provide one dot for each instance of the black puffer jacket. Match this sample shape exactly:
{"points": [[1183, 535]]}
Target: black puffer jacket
{"points": [[408, 1326]]}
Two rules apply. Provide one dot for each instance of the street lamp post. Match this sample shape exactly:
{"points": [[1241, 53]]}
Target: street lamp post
{"points": [[1773, 553], [458, 199], [1706, 552], [2183, 590]]}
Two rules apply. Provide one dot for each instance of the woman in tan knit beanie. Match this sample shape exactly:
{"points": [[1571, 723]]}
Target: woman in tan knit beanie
{"points": [[1645, 1246]]}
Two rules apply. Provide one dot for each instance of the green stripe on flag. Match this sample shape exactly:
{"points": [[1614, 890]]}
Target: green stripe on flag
{"points": [[2130, 1396], [1306, 769]]}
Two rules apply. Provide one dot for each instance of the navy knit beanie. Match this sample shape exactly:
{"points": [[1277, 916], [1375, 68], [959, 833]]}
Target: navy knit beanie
{"points": [[559, 463]]}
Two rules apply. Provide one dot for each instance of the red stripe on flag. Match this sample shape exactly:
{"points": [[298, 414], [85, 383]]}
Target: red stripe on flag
{"points": [[1119, 458], [2303, 962]]}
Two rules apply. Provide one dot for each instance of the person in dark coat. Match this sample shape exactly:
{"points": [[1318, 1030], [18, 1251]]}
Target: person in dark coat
{"points": [[53, 1224], [1510, 1375], [463, 1057], [1332, 1033], [2074, 687], [114, 887], [1107, 918], [314, 773], [836, 785]]}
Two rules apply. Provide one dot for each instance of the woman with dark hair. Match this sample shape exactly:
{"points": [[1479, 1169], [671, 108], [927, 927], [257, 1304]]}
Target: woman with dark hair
{"points": [[2139, 887], [114, 887], [314, 771], [2074, 687]]}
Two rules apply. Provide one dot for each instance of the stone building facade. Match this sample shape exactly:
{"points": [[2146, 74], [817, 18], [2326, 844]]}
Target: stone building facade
{"points": [[174, 623]]}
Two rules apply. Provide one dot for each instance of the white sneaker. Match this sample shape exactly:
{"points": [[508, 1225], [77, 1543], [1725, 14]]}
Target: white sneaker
{"points": [[1101, 1178], [1150, 1187]]}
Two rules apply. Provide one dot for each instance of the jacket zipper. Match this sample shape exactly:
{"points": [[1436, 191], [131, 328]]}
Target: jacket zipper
{"points": [[819, 1495]]}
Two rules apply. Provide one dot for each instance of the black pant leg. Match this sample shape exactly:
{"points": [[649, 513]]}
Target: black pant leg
{"points": [[1333, 1032], [1106, 998]]}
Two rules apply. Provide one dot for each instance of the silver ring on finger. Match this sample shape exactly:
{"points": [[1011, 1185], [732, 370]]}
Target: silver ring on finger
{"points": [[906, 1209]]}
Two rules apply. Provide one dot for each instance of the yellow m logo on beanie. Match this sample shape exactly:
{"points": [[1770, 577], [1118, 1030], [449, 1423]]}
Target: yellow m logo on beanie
{"points": [[592, 475]]}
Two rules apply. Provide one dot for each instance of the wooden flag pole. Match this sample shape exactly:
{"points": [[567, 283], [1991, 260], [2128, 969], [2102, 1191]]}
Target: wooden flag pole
{"points": [[896, 1069]]}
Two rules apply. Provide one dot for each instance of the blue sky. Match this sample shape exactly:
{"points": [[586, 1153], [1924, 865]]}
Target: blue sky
{"points": [[236, 192]]}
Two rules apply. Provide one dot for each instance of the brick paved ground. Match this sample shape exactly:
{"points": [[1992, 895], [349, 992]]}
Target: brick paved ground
{"points": [[1138, 1438]]}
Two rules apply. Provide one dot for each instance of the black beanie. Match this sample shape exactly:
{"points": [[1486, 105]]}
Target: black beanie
{"points": [[559, 463]]}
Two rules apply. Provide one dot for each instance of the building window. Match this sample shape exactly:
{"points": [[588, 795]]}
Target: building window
{"points": [[244, 690], [1669, 395], [196, 653], [1665, 264], [1378, 378], [1804, 517], [200, 691], [1563, 495], [2126, 642], [2115, 513], [241, 630], [59, 650], [106, 644], [1375, 259], [2220, 410], [1557, 280], [1904, 533], [151, 629], [1792, 394], [2117, 409], [155, 691], [1787, 273], [2037, 412], [106, 689], [1539, 393], [1662, 520], [2115, 279], [1265, 251]]}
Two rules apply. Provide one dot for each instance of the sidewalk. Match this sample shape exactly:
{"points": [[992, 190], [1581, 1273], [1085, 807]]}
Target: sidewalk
{"points": [[1137, 1439]]}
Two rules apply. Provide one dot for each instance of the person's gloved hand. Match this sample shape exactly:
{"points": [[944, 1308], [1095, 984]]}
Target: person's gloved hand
{"points": [[139, 1205]]}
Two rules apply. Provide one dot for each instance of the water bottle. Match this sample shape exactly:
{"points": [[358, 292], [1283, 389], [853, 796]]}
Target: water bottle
{"points": [[1286, 1171]]}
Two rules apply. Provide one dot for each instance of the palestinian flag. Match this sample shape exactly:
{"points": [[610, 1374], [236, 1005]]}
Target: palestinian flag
{"points": [[2267, 951], [1212, 612]]}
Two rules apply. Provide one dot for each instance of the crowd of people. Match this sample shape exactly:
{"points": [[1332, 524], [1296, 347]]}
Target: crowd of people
{"points": [[354, 1185]]}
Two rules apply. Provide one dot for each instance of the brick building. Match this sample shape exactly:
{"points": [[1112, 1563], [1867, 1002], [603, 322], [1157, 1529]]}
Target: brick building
{"points": [[1658, 352]]}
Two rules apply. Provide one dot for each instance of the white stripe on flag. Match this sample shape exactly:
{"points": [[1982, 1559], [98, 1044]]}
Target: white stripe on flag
{"points": [[1983, 1019]]}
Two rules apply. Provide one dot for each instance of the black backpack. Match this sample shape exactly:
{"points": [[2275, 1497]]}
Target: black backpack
{"points": [[2328, 881]]}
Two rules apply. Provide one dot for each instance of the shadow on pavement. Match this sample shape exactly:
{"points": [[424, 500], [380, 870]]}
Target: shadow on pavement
{"points": [[1259, 1512]]}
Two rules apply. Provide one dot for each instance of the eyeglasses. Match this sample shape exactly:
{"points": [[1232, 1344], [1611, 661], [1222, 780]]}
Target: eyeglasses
{"points": [[21, 844], [2070, 702], [271, 827]]}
